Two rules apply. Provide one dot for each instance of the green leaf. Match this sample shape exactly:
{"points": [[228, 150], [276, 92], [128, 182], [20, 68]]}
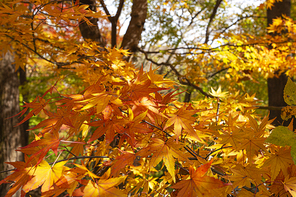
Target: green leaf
{"points": [[293, 153], [290, 92], [282, 136]]}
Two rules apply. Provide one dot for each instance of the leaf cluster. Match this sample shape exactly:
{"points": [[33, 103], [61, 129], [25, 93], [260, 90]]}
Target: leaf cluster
{"points": [[126, 134]]}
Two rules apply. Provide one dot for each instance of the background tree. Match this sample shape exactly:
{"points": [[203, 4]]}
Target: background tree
{"points": [[124, 132], [11, 136], [201, 60], [277, 83], [190, 41]]}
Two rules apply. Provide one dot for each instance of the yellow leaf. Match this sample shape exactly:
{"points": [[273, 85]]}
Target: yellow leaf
{"points": [[218, 93], [104, 188], [44, 175]]}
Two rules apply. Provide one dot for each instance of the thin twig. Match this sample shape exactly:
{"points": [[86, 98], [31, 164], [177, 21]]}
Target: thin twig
{"points": [[105, 9], [57, 158], [192, 152], [213, 48], [69, 151], [218, 107], [182, 79], [217, 72], [210, 153], [218, 3]]}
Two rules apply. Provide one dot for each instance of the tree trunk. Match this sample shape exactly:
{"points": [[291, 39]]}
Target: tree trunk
{"points": [[11, 137], [188, 94], [276, 85], [91, 32], [25, 125], [133, 33]]}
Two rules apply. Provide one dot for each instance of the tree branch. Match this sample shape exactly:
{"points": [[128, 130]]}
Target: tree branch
{"points": [[192, 19], [240, 19], [218, 3], [271, 107], [119, 9], [182, 79], [213, 49], [217, 72], [105, 9]]}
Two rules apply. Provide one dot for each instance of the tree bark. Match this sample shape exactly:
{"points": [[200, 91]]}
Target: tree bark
{"points": [[188, 94], [91, 32], [276, 85], [11, 136], [25, 125], [133, 33]]}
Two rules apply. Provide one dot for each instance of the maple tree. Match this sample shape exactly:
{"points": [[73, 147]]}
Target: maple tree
{"points": [[125, 133]]}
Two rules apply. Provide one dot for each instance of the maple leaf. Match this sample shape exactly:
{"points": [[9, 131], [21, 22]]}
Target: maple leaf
{"points": [[41, 147], [84, 170], [290, 185], [78, 148], [45, 175], [233, 135], [253, 141], [283, 136], [100, 100], [277, 21], [20, 176], [134, 126], [108, 127], [158, 79], [277, 186], [147, 103], [163, 151], [166, 99], [182, 119], [279, 160], [139, 88], [218, 93], [56, 120], [69, 180], [104, 188], [127, 158], [245, 175], [198, 184], [37, 105]]}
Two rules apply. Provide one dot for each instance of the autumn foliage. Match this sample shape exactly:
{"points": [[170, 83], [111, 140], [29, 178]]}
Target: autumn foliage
{"points": [[126, 133]]}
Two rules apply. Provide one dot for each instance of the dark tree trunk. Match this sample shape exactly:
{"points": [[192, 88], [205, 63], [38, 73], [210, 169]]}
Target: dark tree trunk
{"points": [[133, 33], [91, 32], [188, 94], [276, 85], [11, 136], [25, 125]]}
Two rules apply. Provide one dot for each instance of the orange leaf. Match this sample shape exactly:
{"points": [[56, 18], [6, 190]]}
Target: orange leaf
{"points": [[41, 147], [37, 105], [182, 119], [199, 184], [121, 161], [20, 177], [163, 151]]}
